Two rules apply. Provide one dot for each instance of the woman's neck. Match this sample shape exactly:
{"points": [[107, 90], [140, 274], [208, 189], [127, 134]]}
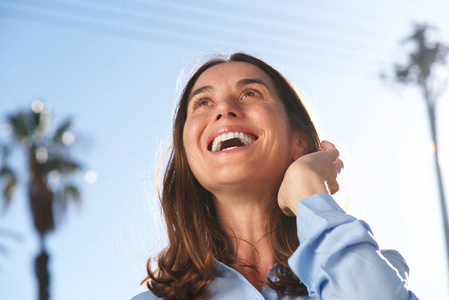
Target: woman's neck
{"points": [[244, 220]]}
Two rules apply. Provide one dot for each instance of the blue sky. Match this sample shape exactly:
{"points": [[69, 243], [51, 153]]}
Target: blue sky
{"points": [[114, 66]]}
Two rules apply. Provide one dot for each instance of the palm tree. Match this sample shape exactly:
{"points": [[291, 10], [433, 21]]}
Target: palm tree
{"points": [[49, 174], [423, 69]]}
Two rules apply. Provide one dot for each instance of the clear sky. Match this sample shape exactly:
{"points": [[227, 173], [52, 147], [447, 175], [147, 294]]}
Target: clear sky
{"points": [[114, 65]]}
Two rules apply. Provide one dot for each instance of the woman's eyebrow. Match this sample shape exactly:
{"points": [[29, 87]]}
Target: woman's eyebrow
{"points": [[246, 81], [240, 83], [204, 89]]}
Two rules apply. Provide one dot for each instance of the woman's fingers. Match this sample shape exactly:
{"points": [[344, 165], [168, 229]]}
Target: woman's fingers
{"points": [[308, 175], [333, 187], [330, 149], [338, 165], [330, 174], [328, 163]]}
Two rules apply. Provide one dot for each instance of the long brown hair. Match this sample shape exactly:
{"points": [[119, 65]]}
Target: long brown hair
{"points": [[186, 266]]}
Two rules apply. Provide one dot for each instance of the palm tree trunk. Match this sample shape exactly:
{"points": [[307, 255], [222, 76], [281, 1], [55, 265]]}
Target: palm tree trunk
{"points": [[431, 113], [42, 273]]}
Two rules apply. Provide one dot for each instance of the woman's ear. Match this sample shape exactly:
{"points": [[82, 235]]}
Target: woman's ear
{"points": [[300, 145]]}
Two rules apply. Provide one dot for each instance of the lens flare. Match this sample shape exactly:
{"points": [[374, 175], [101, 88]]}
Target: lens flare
{"points": [[37, 106], [41, 155], [54, 176], [68, 138], [90, 177]]}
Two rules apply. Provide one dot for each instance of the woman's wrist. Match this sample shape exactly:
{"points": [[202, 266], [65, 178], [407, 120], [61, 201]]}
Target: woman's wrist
{"points": [[308, 185]]}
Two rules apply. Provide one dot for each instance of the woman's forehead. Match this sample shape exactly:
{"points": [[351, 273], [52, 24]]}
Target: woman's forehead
{"points": [[231, 72]]}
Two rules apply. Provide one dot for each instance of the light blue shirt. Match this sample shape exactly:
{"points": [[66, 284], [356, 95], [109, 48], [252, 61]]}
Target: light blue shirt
{"points": [[338, 259]]}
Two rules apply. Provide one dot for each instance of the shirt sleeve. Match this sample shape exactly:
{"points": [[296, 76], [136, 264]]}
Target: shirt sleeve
{"points": [[338, 257]]}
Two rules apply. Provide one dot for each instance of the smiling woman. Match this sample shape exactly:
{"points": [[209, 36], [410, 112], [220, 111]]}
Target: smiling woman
{"points": [[246, 200]]}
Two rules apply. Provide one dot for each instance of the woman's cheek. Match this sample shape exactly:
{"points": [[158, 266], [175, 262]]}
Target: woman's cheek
{"points": [[192, 137]]}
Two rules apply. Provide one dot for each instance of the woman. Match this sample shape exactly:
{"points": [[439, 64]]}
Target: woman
{"points": [[246, 200]]}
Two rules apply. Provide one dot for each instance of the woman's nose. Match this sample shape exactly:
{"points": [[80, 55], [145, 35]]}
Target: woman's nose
{"points": [[231, 114], [227, 109]]}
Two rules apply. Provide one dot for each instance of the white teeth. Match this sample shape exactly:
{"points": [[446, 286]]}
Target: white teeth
{"points": [[230, 148], [216, 145]]}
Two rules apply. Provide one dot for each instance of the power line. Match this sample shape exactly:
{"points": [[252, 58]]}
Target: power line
{"points": [[64, 16]]}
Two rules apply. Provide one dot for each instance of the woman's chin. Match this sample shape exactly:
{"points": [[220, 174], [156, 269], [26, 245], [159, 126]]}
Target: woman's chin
{"points": [[238, 184]]}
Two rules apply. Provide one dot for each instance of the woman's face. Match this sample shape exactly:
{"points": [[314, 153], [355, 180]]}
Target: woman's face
{"points": [[237, 134]]}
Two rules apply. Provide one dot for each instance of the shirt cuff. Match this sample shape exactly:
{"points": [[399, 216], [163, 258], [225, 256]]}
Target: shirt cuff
{"points": [[318, 213]]}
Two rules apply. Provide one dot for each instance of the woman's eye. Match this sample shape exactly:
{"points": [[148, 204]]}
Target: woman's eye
{"points": [[251, 94], [200, 102]]}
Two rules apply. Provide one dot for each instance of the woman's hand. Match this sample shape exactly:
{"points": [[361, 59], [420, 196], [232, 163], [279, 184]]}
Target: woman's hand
{"points": [[310, 174]]}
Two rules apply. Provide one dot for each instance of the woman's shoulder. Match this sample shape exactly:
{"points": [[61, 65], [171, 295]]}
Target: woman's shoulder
{"points": [[145, 296]]}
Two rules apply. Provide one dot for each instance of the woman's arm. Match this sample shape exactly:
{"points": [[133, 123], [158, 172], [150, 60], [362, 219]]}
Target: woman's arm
{"points": [[338, 257]]}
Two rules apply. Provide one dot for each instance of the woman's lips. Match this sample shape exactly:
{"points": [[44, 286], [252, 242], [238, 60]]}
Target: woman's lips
{"points": [[230, 137], [231, 140]]}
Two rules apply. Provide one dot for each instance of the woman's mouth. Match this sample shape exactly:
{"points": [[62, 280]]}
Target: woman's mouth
{"points": [[231, 140]]}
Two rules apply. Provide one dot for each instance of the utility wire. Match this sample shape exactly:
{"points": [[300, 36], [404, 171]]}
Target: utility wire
{"points": [[85, 19]]}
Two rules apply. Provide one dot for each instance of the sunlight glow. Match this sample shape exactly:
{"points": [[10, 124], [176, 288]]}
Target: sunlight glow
{"points": [[90, 177], [68, 138], [41, 155], [432, 147], [37, 106]]}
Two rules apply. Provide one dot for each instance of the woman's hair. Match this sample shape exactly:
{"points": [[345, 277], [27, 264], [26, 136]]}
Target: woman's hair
{"points": [[195, 239]]}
